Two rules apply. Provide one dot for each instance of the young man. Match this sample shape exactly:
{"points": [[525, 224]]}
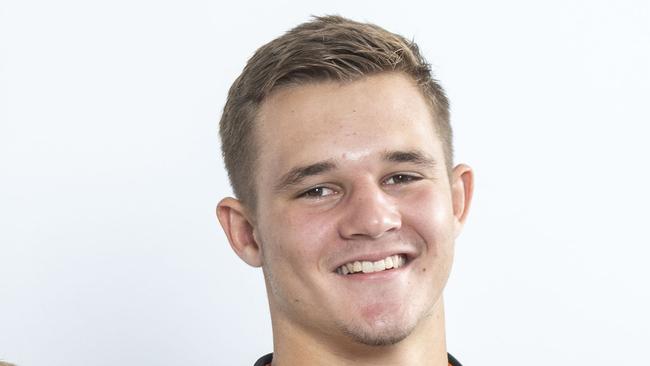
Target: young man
{"points": [[337, 143]]}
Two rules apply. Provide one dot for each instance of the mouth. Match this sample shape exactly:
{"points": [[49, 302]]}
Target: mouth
{"points": [[389, 263]]}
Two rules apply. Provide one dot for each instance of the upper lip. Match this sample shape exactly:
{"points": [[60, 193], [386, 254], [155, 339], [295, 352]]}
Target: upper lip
{"points": [[373, 256]]}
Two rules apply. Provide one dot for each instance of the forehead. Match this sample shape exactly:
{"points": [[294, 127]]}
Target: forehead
{"points": [[349, 121]]}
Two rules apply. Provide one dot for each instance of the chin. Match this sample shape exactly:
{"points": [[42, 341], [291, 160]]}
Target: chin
{"points": [[382, 329], [384, 324], [379, 335]]}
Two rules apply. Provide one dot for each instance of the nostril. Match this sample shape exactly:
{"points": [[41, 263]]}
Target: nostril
{"points": [[369, 214], [364, 227]]}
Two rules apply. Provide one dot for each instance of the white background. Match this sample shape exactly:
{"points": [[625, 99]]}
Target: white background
{"points": [[110, 253]]}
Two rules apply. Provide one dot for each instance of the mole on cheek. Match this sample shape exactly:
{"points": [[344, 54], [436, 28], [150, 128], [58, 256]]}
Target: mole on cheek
{"points": [[424, 269]]}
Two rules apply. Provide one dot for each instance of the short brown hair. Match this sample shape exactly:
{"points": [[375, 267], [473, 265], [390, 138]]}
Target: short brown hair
{"points": [[328, 48]]}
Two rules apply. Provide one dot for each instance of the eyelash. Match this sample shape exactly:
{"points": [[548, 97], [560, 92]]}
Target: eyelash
{"points": [[408, 178], [309, 194]]}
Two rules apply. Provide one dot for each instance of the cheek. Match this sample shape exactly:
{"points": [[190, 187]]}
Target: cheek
{"points": [[294, 245], [297, 239], [429, 213], [429, 217]]}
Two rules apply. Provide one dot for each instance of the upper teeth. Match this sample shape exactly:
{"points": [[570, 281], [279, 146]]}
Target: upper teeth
{"points": [[394, 261]]}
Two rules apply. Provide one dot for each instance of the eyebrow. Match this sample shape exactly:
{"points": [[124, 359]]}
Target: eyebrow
{"points": [[416, 157], [296, 175]]}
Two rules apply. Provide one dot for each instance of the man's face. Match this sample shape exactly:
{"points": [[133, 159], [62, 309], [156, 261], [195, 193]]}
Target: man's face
{"points": [[353, 175]]}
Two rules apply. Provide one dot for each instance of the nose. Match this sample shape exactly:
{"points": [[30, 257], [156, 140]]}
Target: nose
{"points": [[370, 213]]}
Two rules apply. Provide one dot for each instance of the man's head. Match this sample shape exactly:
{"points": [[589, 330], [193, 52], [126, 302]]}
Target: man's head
{"points": [[328, 48], [356, 204]]}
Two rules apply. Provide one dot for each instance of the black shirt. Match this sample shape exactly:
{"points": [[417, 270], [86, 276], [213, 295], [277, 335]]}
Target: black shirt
{"points": [[265, 360]]}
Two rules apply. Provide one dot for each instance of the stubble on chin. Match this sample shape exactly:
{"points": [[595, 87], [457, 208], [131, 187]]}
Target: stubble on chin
{"points": [[376, 339], [387, 332], [380, 333]]}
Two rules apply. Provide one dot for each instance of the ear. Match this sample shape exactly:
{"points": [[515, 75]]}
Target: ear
{"points": [[462, 188], [234, 219]]}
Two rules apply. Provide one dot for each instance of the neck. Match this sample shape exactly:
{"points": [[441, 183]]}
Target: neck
{"points": [[426, 345]]}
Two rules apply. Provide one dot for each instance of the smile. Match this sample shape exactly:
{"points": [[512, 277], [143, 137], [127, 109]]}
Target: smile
{"points": [[390, 262]]}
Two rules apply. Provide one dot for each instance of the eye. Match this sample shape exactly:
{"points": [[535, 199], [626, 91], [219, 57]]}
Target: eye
{"points": [[318, 192], [401, 179]]}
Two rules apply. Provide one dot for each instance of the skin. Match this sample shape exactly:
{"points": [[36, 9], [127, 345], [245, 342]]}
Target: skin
{"points": [[380, 187]]}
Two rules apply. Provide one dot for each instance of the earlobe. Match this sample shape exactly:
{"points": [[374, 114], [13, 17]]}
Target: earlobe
{"points": [[462, 188], [239, 230]]}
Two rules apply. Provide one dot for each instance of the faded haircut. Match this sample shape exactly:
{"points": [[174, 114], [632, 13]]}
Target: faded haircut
{"points": [[328, 48]]}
